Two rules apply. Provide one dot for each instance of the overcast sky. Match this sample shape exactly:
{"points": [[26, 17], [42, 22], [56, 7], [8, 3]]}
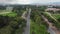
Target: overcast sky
{"points": [[27, 1]]}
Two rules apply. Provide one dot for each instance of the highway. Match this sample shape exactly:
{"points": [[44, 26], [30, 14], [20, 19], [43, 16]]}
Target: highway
{"points": [[27, 28], [51, 31]]}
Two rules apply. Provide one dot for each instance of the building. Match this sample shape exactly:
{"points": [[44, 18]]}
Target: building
{"points": [[9, 8]]}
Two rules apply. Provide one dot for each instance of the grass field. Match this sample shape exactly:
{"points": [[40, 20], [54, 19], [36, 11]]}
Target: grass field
{"points": [[10, 14]]}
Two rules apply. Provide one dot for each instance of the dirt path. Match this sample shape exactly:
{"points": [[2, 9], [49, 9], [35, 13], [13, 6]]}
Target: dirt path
{"points": [[52, 29], [23, 15]]}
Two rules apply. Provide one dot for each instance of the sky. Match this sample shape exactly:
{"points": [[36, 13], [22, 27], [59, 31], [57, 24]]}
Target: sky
{"points": [[44, 1], [27, 1]]}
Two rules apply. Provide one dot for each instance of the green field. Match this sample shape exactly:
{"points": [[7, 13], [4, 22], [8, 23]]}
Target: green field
{"points": [[10, 14]]}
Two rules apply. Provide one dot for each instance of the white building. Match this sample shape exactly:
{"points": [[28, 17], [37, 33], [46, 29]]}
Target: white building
{"points": [[9, 8]]}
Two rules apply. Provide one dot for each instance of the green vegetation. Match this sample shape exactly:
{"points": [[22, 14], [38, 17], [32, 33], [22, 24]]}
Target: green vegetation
{"points": [[14, 27], [19, 10], [56, 16], [12, 22], [11, 14], [38, 25], [38, 29], [52, 20], [6, 30], [41, 8]]}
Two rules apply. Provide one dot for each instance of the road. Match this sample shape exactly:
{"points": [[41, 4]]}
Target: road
{"points": [[23, 15], [27, 28], [50, 30]]}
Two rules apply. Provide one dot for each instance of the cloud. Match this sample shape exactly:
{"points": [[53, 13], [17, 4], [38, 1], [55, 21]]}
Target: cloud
{"points": [[43, 1], [15, 1], [26, 1]]}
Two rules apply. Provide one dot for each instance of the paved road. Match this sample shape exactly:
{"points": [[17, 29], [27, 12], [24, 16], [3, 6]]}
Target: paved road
{"points": [[51, 30], [27, 29], [50, 26]]}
